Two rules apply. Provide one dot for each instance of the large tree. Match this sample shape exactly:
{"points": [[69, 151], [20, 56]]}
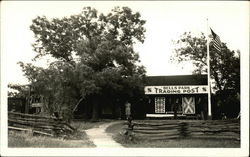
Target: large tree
{"points": [[224, 67], [224, 64], [94, 57]]}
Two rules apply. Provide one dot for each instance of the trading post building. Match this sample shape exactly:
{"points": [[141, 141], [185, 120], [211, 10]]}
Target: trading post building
{"points": [[165, 96], [184, 95]]}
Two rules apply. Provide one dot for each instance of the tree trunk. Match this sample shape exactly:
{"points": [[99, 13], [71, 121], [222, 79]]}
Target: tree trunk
{"points": [[119, 112], [175, 111], [95, 109], [216, 78], [85, 110]]}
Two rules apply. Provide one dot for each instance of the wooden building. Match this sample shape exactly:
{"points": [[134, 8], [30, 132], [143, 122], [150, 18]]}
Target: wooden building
{"points": [[185, 95], [17, 104]]}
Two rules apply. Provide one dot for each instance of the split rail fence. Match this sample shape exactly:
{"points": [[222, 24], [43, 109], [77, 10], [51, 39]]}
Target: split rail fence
{"points": [[174, 129], [36, 124]]}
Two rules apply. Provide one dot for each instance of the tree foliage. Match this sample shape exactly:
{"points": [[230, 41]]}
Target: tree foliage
{"points": [[60, 37], [224, 65], [224, 69], [18, 91], [94, 57]]}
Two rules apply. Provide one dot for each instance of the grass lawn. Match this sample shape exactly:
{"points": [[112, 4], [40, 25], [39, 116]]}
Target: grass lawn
{"points": [[117, 133], [22, 139], [78, 140], [84, 125]]}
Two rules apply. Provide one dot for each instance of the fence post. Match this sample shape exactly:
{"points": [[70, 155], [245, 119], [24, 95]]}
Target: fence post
{"points": [[183, 129], [129, 132]]}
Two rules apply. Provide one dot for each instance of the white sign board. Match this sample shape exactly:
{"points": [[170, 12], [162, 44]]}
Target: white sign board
{"points": [[37, 105], [176, 90]]}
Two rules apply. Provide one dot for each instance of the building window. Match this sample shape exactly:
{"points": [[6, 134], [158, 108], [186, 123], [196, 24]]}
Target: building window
{"points": [[160, 105]]}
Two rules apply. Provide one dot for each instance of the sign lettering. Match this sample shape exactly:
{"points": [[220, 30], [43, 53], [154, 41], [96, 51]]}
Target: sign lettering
{"points": [[176, 89]]}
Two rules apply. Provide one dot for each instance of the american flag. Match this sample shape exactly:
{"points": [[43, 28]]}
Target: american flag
{"points": [[216, 41]]}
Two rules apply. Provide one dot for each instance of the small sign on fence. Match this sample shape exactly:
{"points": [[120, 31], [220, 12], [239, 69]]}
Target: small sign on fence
{"points": [[37, 105]]}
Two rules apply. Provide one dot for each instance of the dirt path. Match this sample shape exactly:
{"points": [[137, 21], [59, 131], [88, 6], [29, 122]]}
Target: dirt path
{"points": [[102, 139]]}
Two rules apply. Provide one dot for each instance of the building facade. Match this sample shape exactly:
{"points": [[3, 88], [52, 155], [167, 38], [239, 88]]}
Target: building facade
{"points": [[184, 95]]}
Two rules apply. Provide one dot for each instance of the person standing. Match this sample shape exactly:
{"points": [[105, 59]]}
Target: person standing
{"points": [[176, 106], [127, 109]]}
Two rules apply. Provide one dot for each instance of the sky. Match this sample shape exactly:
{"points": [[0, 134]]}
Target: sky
{"points": [[165, 21]]}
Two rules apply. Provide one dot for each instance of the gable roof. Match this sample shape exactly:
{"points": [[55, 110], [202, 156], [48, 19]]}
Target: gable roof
{"points": [[176, 80]]}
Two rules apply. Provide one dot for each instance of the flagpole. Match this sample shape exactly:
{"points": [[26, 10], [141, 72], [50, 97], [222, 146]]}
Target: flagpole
{"points": [[208, 75]]}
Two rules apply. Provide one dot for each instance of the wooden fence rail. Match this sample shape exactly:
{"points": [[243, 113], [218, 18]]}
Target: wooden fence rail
{"points": [[178, 129], [43, 125]]}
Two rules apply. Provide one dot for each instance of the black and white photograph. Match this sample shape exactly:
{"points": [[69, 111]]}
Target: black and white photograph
{"points": [[125, 78]]}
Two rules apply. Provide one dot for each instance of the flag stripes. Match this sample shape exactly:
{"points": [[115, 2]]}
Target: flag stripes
{"points": [[216, 41]]}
